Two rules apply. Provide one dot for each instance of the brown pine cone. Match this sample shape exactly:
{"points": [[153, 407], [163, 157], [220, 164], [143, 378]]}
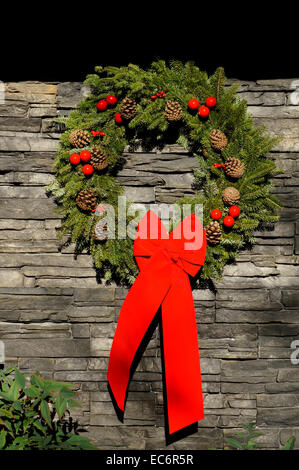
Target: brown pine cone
{"points": [[234, 167], [230, 196], [87, 199], [98, 159], [79, 138], [128, 108], [213, 232], [101, 231], [218, 140], [173, 111]]}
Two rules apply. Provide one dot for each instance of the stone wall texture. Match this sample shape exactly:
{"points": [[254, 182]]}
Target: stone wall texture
{"points": [[55, 318]]}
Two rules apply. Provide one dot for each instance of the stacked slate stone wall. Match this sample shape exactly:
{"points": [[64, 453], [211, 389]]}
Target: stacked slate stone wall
{"points": [[55, 318]]}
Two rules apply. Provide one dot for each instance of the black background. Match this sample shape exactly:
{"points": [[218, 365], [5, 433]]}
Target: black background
{"points": [[61, 45]]}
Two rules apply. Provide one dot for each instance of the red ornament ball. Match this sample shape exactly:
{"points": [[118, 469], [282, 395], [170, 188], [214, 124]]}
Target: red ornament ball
{"points": [[228, 221], [216, 214], [234, 211], [85, 156], [203, 111], [102, 105], [87, 170], [193, 104], [117, 118], [111, 100], [211, 101], [75, 158]]}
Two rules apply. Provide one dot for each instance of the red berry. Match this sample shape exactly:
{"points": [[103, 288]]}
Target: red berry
{"points": [[75, 158], [87, 169], [153, 97], [211, 101], [203, 111], [85, 156], [228, 221], [216, 214], [118, 118], [111, 100], [193, 104], [102, 105], [102, 134], [234, 211]]}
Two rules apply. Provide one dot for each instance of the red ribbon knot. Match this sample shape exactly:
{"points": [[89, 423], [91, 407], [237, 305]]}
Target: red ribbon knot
{"points": [[165, 262]]}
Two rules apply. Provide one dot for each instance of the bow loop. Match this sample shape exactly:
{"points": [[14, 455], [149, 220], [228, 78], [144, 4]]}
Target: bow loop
{"points": [[185, 245]]}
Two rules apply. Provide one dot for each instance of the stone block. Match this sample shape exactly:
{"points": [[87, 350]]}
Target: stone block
{"points": [[280, 416], [276, 401], [20, 124], [92, 314], [70, 364], [51, 347], [27, 209], [100, 347], [101, 294], [13, 109], [80, 376], [290, 298], [11, 278], [70, 94], [142, 195]]}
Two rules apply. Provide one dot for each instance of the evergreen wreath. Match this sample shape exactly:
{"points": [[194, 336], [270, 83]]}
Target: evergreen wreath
{"points": [[154, 107]]}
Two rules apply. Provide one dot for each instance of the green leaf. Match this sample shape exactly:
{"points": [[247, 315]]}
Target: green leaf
{"points": [[45, 411], [289, 445], [14, 391], [20, 379], [2, 439], [32, 391], [9, 370], [39, 426], [251, 445], [253, 435], [80, 441], [17, 406], [36, 380], [6, 396], [234, 443], [61, 405]]}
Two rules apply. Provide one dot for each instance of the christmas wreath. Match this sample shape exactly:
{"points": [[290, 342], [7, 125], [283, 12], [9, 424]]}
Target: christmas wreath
{"points": [[173, 103]]}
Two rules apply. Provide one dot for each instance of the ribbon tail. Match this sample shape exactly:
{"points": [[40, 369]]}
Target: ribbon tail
{"points": [[138, 310], [181, 357]]}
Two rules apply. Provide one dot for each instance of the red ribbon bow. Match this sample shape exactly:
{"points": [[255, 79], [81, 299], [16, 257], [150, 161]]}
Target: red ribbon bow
{"points": [[165, 261]]}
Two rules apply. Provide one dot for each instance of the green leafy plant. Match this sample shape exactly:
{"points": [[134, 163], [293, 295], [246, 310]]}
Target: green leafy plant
{"points": [[35, 414], [245, 440]]}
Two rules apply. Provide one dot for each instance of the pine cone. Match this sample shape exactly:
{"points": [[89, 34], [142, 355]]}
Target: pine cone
{"points": [[234, 168], [79, 138], [98, 159], [230, 196], [173, 111], [100, 232], [213, 232], [86, 199], [128, 108], [218, 140]]}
